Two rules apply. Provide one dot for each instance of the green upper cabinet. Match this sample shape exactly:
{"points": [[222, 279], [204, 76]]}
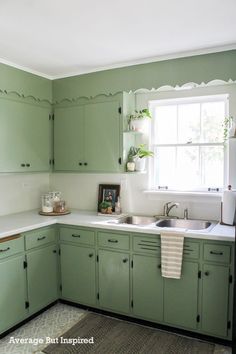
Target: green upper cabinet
{"points": [[88, 135], [25, 136]]}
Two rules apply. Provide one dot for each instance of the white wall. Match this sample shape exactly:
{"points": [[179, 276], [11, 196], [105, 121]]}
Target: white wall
{"points": [[20, 192], [81, 192]]}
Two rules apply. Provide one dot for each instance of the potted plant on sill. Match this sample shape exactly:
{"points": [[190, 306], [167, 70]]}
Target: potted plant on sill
{"points": [[136, 121], [106, 207], [139, 155]]}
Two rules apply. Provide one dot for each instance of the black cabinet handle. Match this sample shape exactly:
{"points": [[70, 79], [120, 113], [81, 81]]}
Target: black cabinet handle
{"points": [[5, 250], [206, 273], [90, 255], [216, 253], [80, 163], [125, 260], [28, 165], [74, 235], [85, 164], [23, 165], [113, 241], [41, 238]]}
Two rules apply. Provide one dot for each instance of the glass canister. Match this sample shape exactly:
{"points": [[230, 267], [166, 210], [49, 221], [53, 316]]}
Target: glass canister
{"points": [[47, 204], [55, 197], [59, 207]]}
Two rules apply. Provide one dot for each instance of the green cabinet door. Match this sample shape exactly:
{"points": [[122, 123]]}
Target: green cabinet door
{"points": [[114, 281], [24, 136], [147, 288], [69, 138], [12, 292], [215, 294], [78, 274], [102, 136], [181, 297], [42, 277]]}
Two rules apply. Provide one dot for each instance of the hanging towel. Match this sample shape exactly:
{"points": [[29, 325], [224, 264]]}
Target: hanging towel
{"points": [[171, 253]]}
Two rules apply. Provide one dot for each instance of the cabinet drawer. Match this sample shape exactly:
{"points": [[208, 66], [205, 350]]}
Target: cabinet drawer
{"points": [[217, 253], [113, 240], [77, 235], [39, 237], [11, 247], [147, 244], [191, 250]]}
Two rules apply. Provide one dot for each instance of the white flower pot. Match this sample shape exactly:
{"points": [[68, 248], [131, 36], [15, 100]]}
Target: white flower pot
{"points": [[137, 125], [140, 164]]}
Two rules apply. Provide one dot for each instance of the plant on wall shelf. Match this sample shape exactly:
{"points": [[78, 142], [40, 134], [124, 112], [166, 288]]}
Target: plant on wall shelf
{"points": [[137, 155], [136, 119], [228, 124]]}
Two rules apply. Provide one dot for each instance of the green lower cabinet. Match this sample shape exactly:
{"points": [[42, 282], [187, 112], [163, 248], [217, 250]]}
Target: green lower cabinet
{"points": [[78, 274], [13, 292], [42, 277], [181, 297], [147, 288], [114, 281], [215, 297]]}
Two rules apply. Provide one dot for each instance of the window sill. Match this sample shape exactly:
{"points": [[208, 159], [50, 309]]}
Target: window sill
{"points": [[156, 194]]}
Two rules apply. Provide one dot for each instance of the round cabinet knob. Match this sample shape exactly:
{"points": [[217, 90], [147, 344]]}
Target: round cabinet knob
{"points": [[159, 266], [23, 165], [206, 273], [28, 165], [85, 164], [80, 163], [90, 255], [125, 260]]}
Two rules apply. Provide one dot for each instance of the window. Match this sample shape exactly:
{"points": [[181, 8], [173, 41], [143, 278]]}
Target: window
{"points": [[187, 139]]}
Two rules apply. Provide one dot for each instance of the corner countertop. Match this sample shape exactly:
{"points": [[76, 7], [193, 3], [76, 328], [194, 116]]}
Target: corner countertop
{"points": [[25, 221]]}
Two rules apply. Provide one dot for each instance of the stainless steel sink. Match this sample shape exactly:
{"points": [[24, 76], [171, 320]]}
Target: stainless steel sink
{"points": [[135, 220], [185, 224]]}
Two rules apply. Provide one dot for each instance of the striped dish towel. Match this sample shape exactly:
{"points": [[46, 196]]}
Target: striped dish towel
{"points": [[171, 253]]}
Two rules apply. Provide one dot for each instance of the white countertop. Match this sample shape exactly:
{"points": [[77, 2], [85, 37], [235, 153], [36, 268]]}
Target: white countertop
{"points": [[17, 223]]}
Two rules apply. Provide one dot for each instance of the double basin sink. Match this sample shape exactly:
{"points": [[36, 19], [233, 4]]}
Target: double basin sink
{"points": [[165, 222]]}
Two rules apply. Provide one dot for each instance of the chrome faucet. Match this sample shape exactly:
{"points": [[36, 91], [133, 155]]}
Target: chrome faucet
{"points": [[186, 213], [168, 208]]}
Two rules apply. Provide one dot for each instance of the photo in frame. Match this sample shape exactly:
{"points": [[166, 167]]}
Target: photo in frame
{"points": [[107, 197]]}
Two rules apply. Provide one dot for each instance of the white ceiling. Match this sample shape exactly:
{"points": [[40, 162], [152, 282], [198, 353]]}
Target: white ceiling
{"points": [[57, 38]]}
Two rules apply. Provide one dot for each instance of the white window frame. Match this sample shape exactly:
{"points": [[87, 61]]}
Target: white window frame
{"points": [[180, 100]]}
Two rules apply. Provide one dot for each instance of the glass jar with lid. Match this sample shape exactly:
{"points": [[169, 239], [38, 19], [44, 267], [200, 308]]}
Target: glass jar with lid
{"points": [[47, 206]]}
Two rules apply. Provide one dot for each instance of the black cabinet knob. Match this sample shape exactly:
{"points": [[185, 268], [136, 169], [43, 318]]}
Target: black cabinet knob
{"points": [[80, 163], [159, 266], [28, 165], [125, 260], [206, 273], [90, 255], [23, 165], [85, 164]]}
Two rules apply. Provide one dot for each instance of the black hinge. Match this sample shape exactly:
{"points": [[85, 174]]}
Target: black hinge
{"points": [[132, 264], [229, 324], [119, 160], [49, 116], [132, 303], [53, 116], [119, 110], [27, 304], [199, 274], [198, 318], [60, 287], [230, 279], [59, 251], [97, 259], [53, 161], [98, 296], [25, 264]]}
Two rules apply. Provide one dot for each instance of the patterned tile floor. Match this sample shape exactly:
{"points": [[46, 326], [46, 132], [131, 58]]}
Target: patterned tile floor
{"points": [[52, 323]]}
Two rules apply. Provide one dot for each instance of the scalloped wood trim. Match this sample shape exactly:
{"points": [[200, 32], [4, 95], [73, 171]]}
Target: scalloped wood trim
{"points": [[187, 85], [29, 98]]}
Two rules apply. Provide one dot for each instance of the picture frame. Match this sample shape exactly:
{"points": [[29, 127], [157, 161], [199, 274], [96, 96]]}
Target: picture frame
{"points": [[108, 193]]}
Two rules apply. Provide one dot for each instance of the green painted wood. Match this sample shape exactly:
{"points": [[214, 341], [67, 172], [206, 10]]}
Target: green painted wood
{"points": [[78, 274], [77, 235], [39, 237], [24, 136], [42, 275], [114, 281], [25, 83], [215, 299], [102, 138], [13, 292], [69, 138], [217, 253], [147, 288], [199, 68], [181, 297], [113, 240], [11, 247]]}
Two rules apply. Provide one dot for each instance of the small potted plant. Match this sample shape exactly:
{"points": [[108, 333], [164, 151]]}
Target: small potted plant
{"points": [[136, 120], [106, 207], [140, 158], [131, 159]]}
